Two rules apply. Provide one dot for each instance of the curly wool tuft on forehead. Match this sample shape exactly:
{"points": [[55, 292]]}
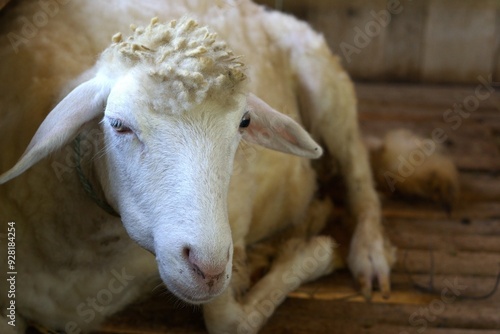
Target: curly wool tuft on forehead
{"points": [[185, 59]]}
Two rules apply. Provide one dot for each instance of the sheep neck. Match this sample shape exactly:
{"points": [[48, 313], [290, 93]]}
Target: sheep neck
{"points": [[86, 184]]}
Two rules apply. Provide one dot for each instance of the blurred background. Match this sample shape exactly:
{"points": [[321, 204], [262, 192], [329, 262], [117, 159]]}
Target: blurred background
{"points": [[425, 41]]}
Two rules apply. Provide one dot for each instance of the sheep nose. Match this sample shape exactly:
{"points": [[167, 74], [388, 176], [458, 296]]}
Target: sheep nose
{"points": [[210, 271]]}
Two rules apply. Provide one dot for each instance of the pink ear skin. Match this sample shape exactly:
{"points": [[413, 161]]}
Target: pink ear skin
{"points": [[276, 131]]}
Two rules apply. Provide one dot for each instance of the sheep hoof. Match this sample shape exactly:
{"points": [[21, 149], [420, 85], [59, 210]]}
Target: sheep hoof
{"points": [[371, 257]]}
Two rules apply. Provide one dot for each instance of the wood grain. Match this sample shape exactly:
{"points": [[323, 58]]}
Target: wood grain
{"points": [[438, 41], [459, 40]]}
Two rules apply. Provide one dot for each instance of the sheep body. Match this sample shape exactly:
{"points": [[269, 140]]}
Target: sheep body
{"points": [[62, 278], [51, 271]]}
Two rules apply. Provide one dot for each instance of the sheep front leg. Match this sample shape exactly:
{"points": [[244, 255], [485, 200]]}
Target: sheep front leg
{"points": [[298, 261], [371, 254], [328, 109]]}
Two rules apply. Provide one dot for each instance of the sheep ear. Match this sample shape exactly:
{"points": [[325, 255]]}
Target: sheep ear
{"points": [[80, 106], [274, 130]]}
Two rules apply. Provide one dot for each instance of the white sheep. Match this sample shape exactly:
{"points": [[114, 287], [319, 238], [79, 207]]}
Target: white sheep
{"points": [[162, 132]]}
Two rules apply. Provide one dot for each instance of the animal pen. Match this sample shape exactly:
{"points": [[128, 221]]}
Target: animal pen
{"points": [[411, 67], [431, 66]]}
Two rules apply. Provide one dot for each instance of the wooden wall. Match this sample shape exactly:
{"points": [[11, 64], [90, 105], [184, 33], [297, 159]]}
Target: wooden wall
{"points": [[452, 41], [430, 41]]}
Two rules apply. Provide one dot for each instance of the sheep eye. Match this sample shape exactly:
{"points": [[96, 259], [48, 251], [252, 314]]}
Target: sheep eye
{"points": [[245, 120], [118, 125]]}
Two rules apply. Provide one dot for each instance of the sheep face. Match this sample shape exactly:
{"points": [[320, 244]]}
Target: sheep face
{"points": [[168, 174], [168, 177]]}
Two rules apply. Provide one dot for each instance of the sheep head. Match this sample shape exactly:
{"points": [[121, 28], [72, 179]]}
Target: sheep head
{"points": [[173, 108]]}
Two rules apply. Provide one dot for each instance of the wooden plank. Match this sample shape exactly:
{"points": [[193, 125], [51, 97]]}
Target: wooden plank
{"points": [[403, 44], [354, 34], [437, 96], [415, 238], [298, 316], [496, 54], [480, 187], [475, 227], [404, 208], [475, 287], [450, 263], [472, 138], [340, 287], [447, 58]]}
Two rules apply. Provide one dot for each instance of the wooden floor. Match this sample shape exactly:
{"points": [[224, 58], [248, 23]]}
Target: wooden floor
{"points": [[447, 263]]}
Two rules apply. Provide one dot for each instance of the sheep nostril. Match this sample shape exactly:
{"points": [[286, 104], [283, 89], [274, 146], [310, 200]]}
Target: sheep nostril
{"points": [[186, 252]]}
